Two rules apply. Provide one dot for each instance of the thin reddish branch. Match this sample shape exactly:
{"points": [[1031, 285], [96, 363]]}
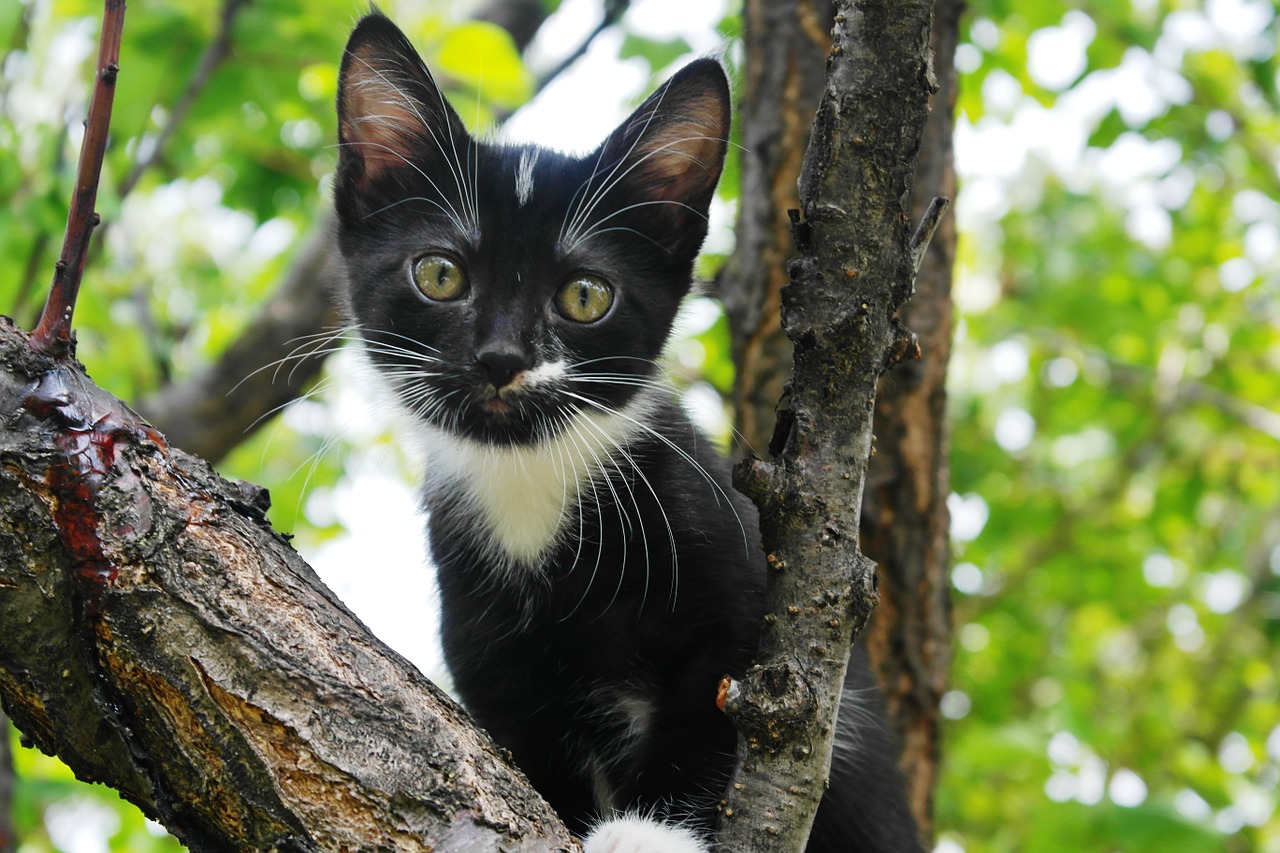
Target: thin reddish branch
{"points": [[53, 332]]}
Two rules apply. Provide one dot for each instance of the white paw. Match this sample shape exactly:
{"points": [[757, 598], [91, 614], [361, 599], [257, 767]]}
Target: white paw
{"points": [[630, 834]]}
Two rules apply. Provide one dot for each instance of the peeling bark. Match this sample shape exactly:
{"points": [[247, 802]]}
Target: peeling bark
{"points": [[161, 639], [839, 311]]}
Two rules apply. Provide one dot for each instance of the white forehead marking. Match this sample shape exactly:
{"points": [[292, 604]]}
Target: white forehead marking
{"points": [[524, 175]]}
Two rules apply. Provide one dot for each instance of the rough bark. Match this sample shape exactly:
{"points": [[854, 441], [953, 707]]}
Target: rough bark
{"points": [[785, 44], [905, 523], [188, 659], [856, 267], [160, 638]]}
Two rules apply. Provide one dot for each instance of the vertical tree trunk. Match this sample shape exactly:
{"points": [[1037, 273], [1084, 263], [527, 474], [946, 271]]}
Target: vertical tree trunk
{"points": [[856, 267], [786, 43], [904, 520], [904, 511]]}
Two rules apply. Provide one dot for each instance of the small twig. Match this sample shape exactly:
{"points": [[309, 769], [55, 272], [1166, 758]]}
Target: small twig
{"points": [[214, 54], [53, 332], [613, 11], [924, 232]]}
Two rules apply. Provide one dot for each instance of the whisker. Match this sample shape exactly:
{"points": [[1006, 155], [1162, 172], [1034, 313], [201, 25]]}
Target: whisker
{"points": [[681, 452]]}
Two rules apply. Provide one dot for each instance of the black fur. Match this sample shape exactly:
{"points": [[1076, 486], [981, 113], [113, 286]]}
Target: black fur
{"points": [[595, 658]]}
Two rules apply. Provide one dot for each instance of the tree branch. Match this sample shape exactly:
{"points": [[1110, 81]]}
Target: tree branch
{"points": [[162, 639], [214, 54], [613, 11], [53, 331], [212, 412], [521, 18], [854, 272], [784, 77]]}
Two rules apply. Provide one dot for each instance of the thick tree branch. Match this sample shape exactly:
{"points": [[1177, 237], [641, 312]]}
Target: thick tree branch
{"points": [[855, 270], [162, 639], [53, 331]]}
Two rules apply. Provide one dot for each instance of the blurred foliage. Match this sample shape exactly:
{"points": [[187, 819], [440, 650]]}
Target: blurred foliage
{"points": [[1116, 445], [53, 811]]}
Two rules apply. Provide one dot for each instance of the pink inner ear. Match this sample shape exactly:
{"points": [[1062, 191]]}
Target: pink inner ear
{"points": [[684, 154], [380, 120]]}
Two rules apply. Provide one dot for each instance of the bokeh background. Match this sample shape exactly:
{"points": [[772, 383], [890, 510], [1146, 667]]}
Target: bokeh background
{"points": [[1114, 386]]}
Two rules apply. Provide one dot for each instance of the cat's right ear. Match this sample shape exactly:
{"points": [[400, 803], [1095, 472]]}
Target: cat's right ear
{"points": [[392, 117]]}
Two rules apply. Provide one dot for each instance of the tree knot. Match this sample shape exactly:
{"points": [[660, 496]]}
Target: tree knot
{"points": [[772, 706]]}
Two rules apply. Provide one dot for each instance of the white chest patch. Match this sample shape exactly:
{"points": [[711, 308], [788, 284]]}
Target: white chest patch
{"points": [[527, 496]]}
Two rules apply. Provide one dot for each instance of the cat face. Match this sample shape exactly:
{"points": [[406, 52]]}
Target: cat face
{"points": [[502, 290]]}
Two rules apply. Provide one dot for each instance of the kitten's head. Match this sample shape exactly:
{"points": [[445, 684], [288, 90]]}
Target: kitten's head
{"points": [[502, 289]]}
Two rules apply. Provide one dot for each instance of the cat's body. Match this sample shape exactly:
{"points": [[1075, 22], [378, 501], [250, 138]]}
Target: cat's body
{"points": [[599, 575], [600, 675]]}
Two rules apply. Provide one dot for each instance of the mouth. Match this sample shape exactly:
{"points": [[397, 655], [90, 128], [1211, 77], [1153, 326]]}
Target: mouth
{"points": [[499, 416], [497, 401]]}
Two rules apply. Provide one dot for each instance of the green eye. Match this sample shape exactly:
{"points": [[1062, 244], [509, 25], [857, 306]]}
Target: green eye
{"points": [[439, 278], [585, 299]]}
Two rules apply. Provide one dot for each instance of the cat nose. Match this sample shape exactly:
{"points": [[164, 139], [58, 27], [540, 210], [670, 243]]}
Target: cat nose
{"points": [[500, 364]]}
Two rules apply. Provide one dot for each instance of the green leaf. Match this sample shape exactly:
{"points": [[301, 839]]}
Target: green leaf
{"points": [[658, 53], [482, 57]]}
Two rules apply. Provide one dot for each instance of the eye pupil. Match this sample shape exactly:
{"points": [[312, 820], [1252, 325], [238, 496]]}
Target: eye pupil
{"points": [[585, 299], [438, 278]]}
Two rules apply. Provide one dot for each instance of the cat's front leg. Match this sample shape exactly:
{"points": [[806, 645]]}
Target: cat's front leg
{"points": [[634, 834]]}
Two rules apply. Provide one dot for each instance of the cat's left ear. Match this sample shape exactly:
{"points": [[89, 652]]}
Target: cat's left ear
{"points": [[391, 114], [672, 147]]}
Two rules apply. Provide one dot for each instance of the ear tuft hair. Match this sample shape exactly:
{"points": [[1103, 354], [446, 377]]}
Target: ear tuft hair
{"points": [[389, 107], [674, 144]]}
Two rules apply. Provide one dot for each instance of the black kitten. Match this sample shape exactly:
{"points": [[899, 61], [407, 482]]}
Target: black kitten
{"points": [[599, 575]]}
